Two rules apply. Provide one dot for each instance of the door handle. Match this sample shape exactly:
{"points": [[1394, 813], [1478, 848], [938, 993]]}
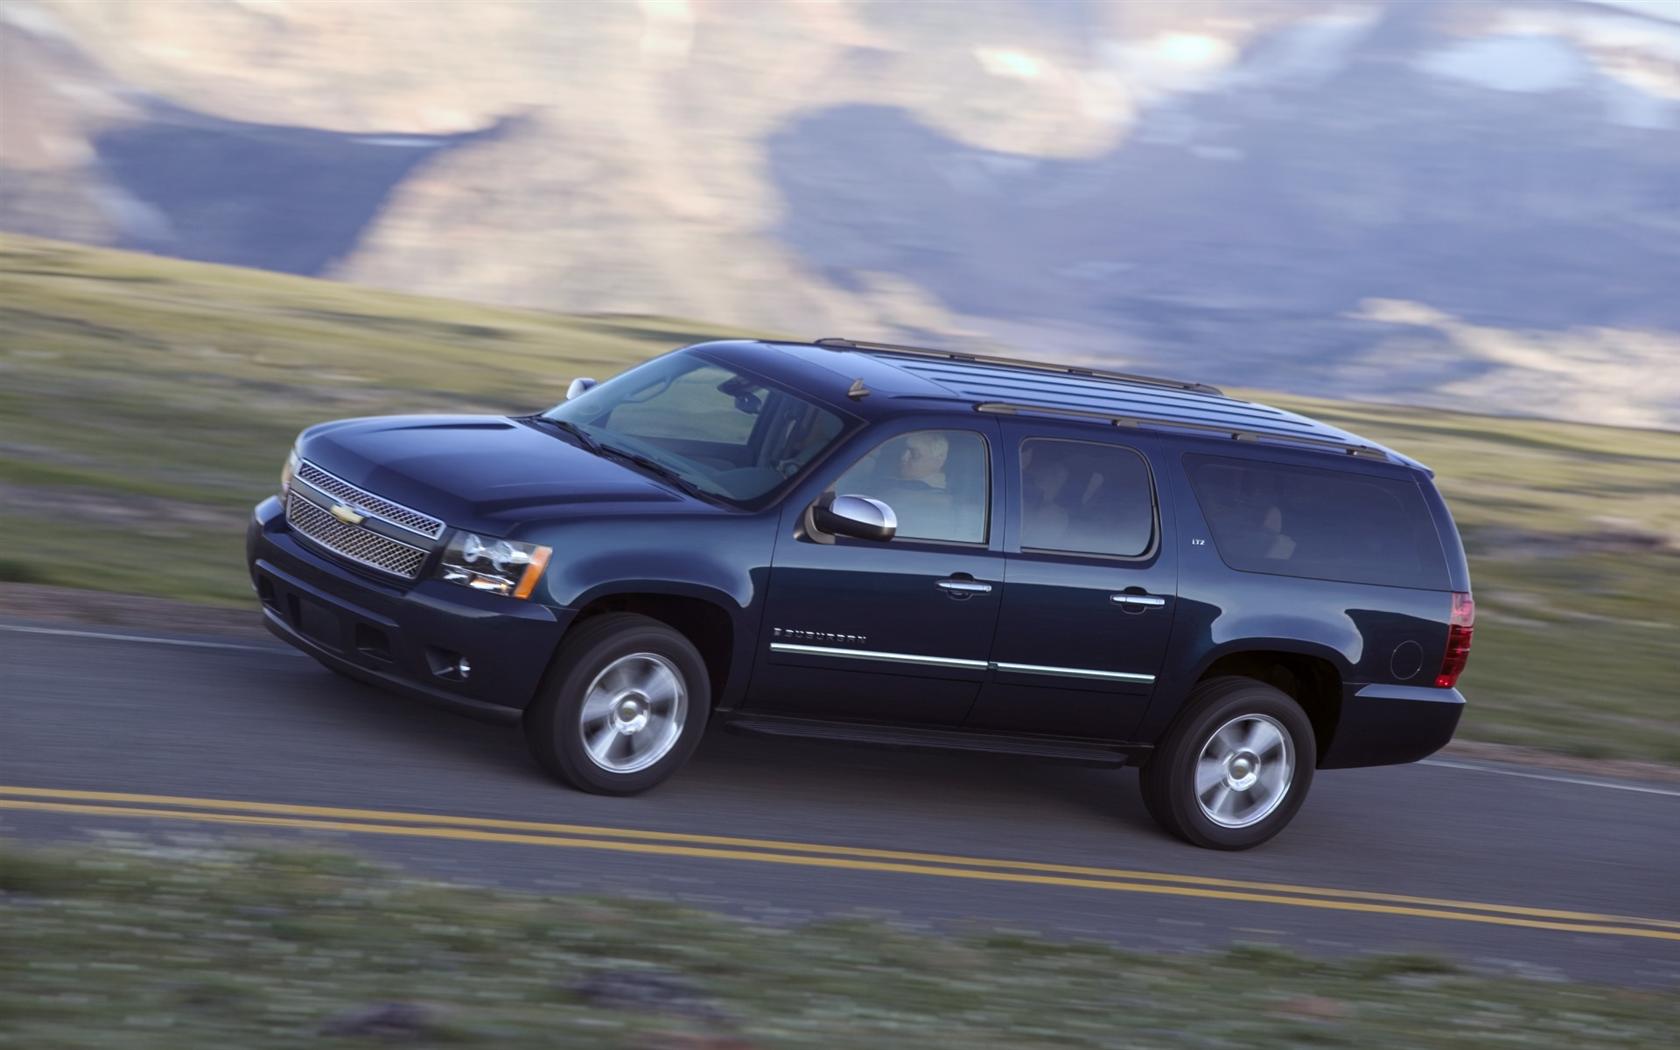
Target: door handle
{"points": [[958, 586], [1137, 602]]}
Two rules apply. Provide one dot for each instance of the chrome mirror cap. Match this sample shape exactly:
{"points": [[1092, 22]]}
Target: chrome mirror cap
{"points": [[856, 516], [579, 386]]}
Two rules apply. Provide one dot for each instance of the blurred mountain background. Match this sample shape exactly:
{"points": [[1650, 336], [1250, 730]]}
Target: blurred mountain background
{"points": [[1470, 203]]}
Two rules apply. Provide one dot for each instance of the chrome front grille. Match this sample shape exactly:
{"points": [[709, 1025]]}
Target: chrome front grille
{"points": [[367, 503], [353, 541]]}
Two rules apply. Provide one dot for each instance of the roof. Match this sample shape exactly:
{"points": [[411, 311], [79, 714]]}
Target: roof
{"points": [[1021, 387]]}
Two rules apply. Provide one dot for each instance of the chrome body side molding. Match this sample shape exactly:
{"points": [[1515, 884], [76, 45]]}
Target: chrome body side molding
{"points": [[951, 661], [871, 654]]}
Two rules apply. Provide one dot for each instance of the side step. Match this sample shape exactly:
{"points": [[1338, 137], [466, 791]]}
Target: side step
{"points": [[918, 739]]}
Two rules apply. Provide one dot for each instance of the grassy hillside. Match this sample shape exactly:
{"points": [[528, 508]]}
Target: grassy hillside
{"points": [[146, 404]]}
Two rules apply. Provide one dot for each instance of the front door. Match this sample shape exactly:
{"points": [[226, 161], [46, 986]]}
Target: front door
{"points": [[1088, 595], [897, 631]]}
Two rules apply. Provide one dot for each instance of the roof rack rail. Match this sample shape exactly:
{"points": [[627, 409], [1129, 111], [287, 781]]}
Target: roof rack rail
{"points": [[1352, 448], [834, 343]]}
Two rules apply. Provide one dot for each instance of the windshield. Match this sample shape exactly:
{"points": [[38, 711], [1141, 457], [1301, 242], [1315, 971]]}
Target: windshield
{"points": [[712, 428]]}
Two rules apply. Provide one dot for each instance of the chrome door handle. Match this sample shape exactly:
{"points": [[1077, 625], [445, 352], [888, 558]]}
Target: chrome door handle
{"points": [[964, 586], [1137, 601]]}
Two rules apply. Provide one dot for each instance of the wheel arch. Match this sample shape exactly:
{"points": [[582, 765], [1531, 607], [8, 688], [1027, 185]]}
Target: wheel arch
{"points": [[708, 618], [1312, 675]]}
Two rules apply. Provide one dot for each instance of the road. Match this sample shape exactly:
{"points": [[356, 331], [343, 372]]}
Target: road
{"points": [[1505, 868]]}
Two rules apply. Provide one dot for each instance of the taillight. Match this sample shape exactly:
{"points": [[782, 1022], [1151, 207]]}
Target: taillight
{"points": [[1460, 627]]}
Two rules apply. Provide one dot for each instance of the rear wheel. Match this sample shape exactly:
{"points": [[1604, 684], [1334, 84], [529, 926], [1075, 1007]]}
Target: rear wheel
{"points": [[623, 708], [1234, 768]]}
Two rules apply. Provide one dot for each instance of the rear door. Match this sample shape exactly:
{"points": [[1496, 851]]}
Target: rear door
{"points": [[1089, 587], [895, 632]]}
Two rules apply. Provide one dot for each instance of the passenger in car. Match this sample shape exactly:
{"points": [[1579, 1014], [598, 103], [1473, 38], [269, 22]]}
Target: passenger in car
{"points": [[1043, 477], [1279, 546]]}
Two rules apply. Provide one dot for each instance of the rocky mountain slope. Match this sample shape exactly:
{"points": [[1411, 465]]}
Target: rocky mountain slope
{"points": [[1470, 203]]}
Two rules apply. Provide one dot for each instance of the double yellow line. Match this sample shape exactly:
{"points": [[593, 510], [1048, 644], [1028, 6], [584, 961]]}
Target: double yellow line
{"points": [[813, 855]]}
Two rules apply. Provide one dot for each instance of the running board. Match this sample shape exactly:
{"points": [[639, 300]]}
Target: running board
{"points": [[903, 737]]}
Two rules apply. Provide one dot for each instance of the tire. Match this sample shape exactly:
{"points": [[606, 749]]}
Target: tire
{"points": [[1250, 734], [620, 682]]}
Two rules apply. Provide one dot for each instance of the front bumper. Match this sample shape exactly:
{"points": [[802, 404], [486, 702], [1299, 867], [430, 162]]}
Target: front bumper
{"points": [[406, 637], [1383, 725]]}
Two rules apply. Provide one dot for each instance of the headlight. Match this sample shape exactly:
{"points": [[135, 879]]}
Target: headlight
{"points": [[287, 472], [498, 566]]}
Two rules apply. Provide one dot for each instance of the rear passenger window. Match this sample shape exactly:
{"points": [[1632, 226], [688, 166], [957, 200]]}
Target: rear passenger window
{"points": [[1085, 498], [1323, 524]]}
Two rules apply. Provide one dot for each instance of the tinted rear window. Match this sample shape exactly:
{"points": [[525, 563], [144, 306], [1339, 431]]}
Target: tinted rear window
{"points": [[1323, 524], [1084, 498]]}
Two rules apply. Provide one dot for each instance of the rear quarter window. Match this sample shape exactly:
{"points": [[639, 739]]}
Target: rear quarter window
{"points": [[1320, 524]]}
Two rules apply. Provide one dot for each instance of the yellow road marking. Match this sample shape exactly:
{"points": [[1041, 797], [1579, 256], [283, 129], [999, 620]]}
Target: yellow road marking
{"points": [[838, 862], [395, 816]]}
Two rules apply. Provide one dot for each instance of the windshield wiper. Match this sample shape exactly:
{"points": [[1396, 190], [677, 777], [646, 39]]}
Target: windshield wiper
{"points": [[573, 429], [668, 473], [647, 463]]}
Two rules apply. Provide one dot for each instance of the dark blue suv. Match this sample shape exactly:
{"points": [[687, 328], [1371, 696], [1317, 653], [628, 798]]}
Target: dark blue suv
{"points": [[891, 545]]}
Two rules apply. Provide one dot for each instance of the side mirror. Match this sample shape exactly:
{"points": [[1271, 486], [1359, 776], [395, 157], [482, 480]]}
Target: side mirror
{"points": [[856, 516], [579, 386]]}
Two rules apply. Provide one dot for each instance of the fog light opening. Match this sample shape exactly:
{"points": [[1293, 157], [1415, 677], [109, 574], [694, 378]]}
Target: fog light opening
{"points": [[448, 664]]}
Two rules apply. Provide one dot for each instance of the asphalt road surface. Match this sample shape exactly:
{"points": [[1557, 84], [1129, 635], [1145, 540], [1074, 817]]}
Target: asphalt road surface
{"points": [[1501, 867]]}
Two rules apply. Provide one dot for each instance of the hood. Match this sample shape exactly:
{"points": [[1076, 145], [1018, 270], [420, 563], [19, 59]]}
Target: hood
{"points": [[481, 471]]}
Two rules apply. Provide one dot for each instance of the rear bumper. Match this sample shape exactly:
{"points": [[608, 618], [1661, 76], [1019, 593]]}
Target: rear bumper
{"points": [[407, 638], [1383, 725]]}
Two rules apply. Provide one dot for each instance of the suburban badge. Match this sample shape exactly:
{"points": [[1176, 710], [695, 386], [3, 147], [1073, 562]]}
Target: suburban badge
{"points": [[818, 636]]}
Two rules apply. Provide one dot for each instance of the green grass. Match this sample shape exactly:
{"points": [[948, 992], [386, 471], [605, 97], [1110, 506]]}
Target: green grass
{"points": [[146, 404], [149, 947]]}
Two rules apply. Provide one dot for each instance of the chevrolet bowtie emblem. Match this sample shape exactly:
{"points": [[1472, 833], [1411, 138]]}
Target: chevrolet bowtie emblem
{"points": [[347, 515]]}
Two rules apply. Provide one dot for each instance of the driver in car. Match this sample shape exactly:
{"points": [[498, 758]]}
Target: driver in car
{"points": [[913, 484]]}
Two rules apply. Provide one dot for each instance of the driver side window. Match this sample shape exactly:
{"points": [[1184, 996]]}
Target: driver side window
{"points": [[936, 482]]}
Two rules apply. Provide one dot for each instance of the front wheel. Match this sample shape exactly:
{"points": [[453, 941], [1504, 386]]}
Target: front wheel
{"points": [[1235, 767], [623, 708]]}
